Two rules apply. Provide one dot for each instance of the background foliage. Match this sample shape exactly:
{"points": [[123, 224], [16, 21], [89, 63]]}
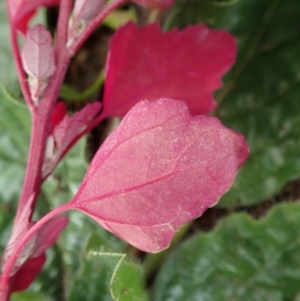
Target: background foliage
{"points": [[242, 258]]}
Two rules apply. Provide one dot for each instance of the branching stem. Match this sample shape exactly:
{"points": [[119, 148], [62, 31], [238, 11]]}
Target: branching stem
{"points": [[4, 280]]}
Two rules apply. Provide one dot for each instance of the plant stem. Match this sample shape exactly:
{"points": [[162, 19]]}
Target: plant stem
{"points": [[65, 9], [41, 116], [100, 17], [4, 280]]}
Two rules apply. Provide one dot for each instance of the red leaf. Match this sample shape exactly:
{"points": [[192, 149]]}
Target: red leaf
{"points": [[161, 4], [158, 170], [27, 273], [59, 112], [145, 63], [22, 10]]}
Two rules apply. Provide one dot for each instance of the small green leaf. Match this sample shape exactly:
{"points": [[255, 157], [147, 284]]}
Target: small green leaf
{"points": [[127, 282], [107, 276], [242, 259]]}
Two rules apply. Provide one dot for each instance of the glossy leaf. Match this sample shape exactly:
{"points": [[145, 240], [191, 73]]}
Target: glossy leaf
{"points": [[242, 259], [158, 170], [263, 101], [261, 96], [186, 12], [184, 65]]}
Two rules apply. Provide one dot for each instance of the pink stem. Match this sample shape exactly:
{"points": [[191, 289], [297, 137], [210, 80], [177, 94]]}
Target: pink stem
{"points": [[4, 293], [40, 129], [65, 9], [100, 17], [4, 280]]}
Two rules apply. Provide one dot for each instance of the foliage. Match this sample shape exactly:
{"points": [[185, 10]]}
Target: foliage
{"points": [[162, 167]]}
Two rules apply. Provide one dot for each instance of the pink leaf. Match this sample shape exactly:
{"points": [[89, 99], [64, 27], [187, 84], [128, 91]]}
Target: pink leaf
{"points": [[83, 14], [87, 9], [48, 235], [22, 10], [38, 59], [161, 4], [158, 170], [65, 132], [146, 63]]}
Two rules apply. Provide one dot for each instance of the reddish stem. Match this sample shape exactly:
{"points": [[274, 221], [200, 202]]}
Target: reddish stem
{"points": [[4, 280], [40, 129], [4, 293], [65, 9], [100, 17]]}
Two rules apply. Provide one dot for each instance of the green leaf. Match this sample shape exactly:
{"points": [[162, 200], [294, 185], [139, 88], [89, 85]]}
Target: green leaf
{"points": [[120, 17], [8, 74], [108, 276], [14, 140], [127, 282], [69, 93], [30, 296], [186, 12], [260, 97], [242, 259]]}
